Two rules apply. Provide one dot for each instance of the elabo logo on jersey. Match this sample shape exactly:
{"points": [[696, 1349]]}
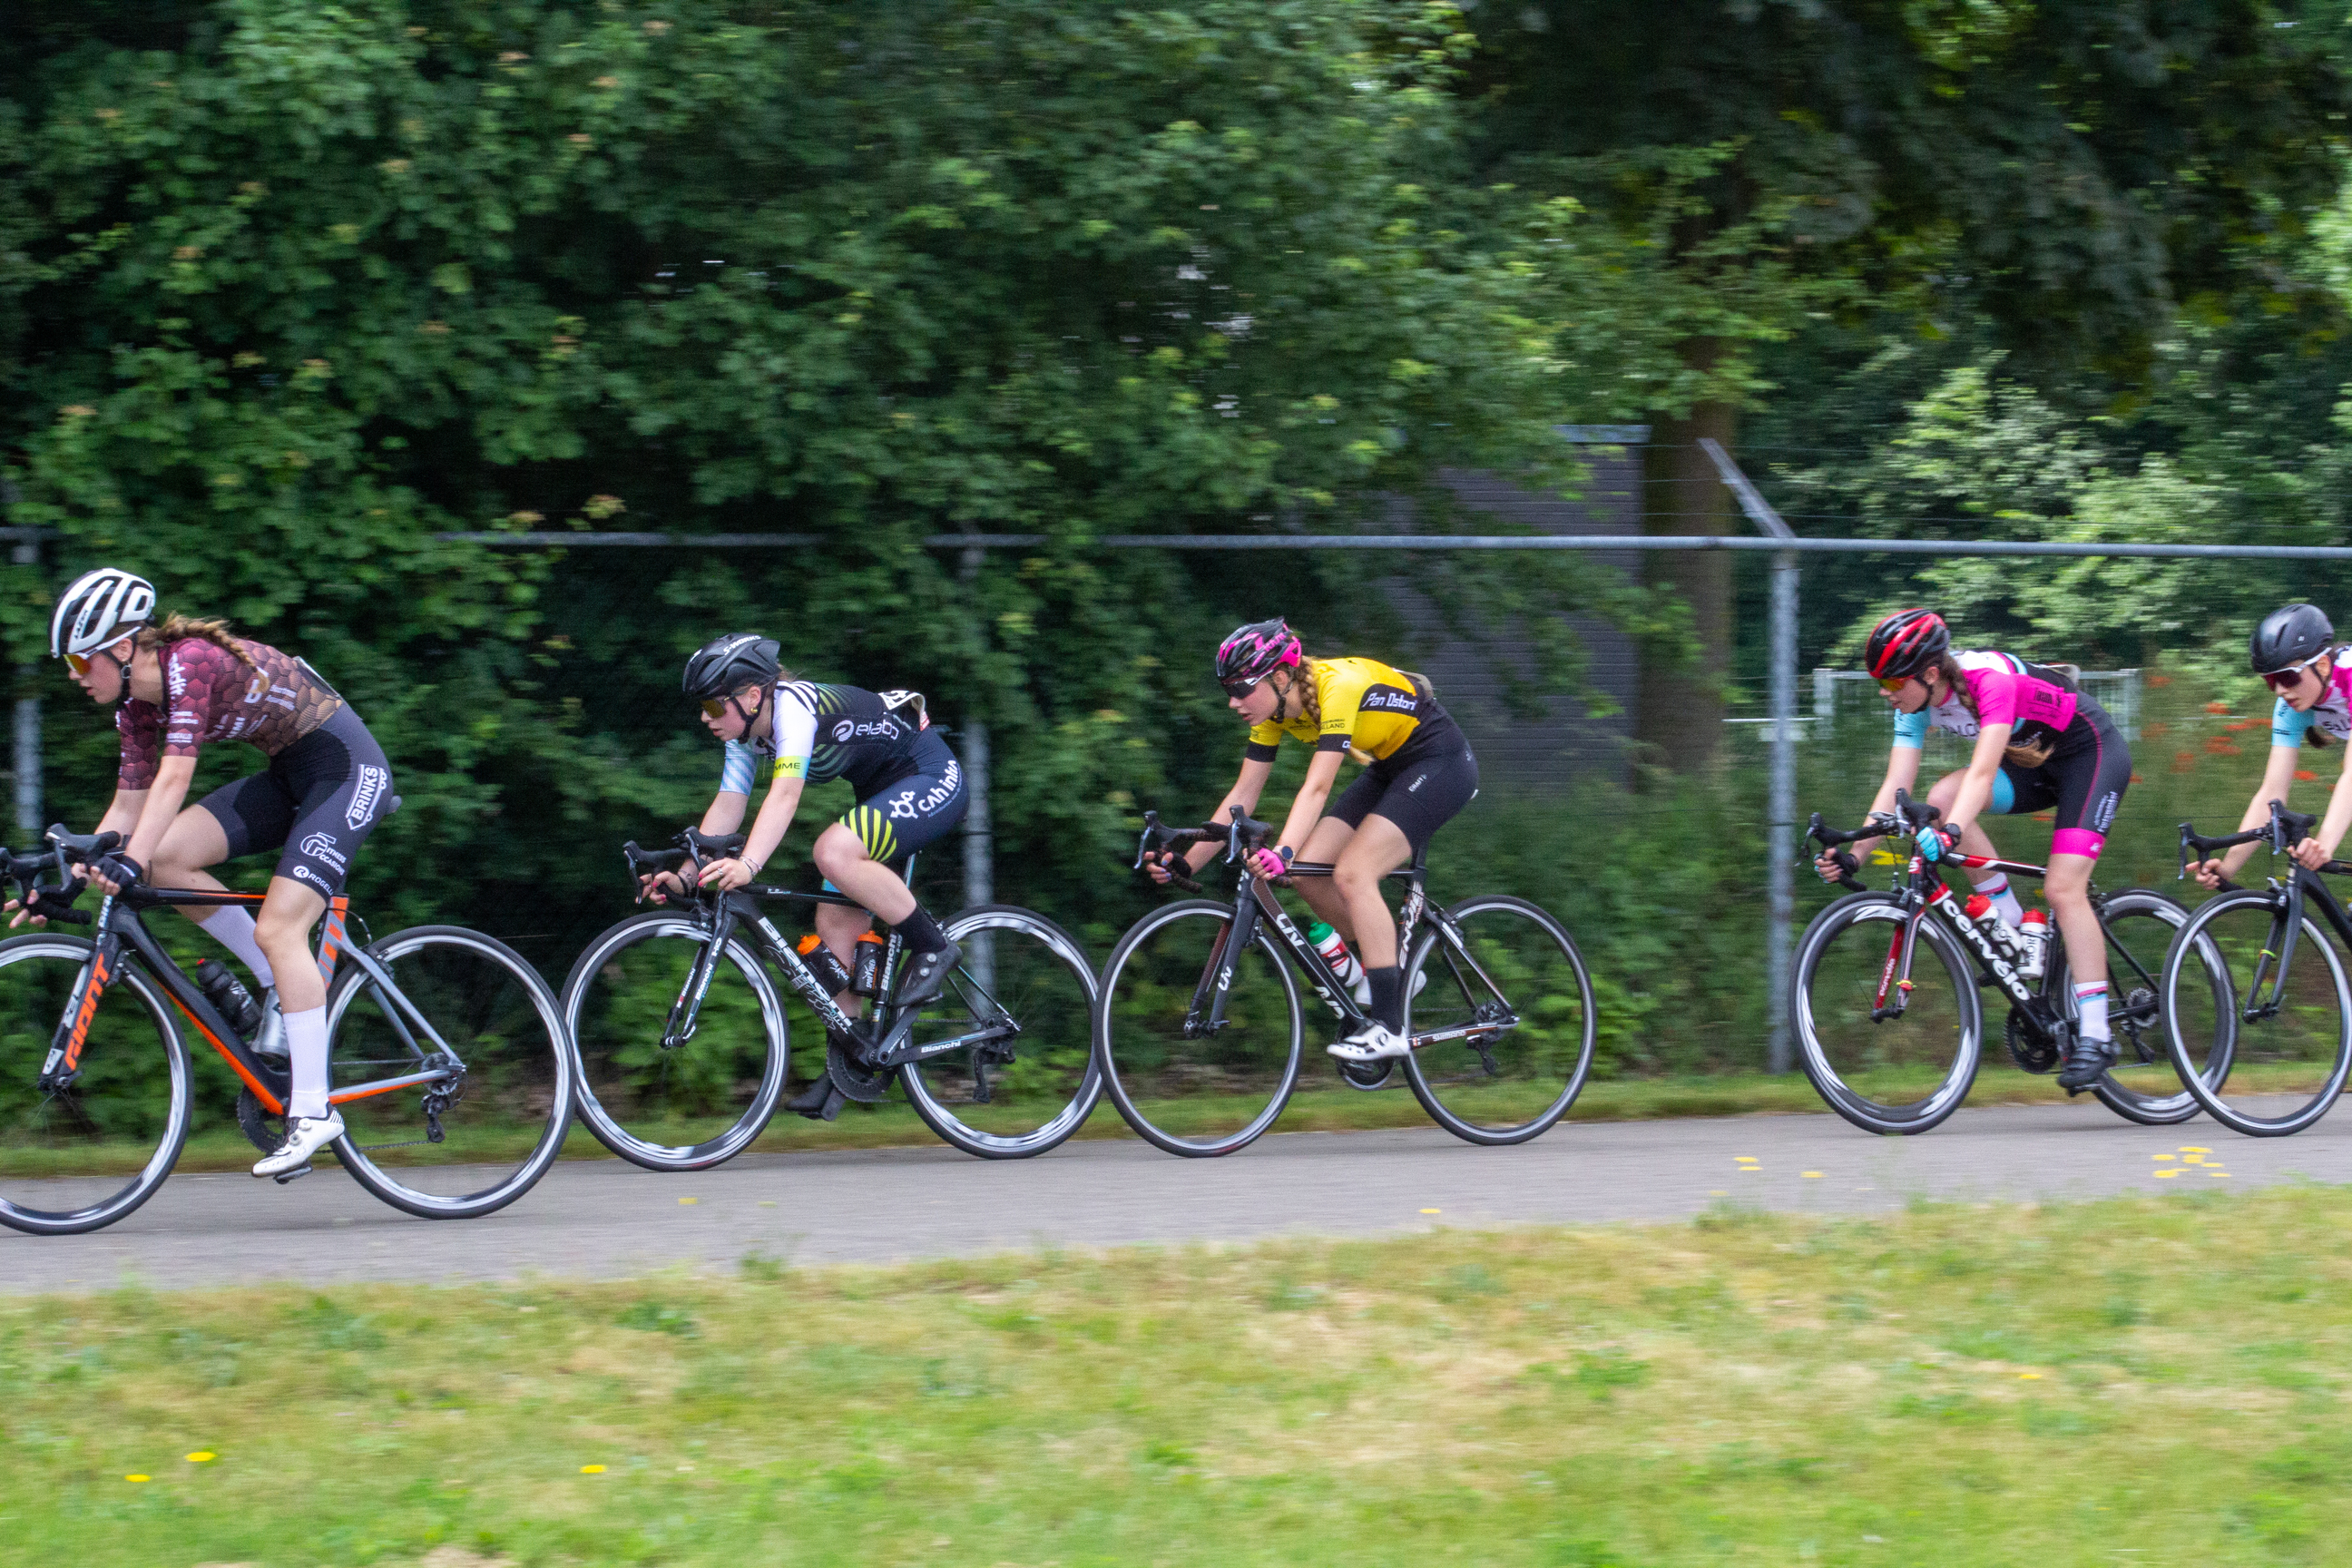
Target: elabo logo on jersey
{"points": [[849, 729], [363, 798], [318, 846]]}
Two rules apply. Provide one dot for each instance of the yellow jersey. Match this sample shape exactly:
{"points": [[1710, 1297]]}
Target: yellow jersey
{"points": [[1366, 706]]}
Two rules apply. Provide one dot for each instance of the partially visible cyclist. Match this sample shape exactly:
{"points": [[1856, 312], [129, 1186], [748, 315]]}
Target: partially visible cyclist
{"points": [[2041, 744], [2295, 652], [1419, 772], [910, 793], [174, 685]]}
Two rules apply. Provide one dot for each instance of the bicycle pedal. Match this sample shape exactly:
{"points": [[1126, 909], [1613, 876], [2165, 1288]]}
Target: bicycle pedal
{"points": [[294, 1176]]}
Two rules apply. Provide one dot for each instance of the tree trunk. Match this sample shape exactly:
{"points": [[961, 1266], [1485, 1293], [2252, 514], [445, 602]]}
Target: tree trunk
{"points": [[1678, 716]]}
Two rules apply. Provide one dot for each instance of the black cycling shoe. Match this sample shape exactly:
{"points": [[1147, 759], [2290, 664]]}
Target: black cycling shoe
{"points": [[2086, 1063], [819, 1101], [925, 973]]}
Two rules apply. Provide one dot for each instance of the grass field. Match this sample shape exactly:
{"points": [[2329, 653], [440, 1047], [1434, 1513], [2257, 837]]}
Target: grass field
{"points": [[2137, 1381]]}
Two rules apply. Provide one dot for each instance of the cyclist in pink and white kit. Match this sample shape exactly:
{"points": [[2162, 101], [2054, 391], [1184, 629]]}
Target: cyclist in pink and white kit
{"points": [[2041, 745], [2295, 652]]}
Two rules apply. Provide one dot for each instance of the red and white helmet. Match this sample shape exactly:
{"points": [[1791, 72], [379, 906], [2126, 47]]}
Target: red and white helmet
{"points": [[1251, 653], [1905, 643], [100, 609]]}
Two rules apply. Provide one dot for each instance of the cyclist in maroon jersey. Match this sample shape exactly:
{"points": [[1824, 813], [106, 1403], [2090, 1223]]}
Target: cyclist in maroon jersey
{"points": [[175, 685]]}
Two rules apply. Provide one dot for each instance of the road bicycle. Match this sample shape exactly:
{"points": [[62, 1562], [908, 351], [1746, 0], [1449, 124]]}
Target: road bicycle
{"points": [[447, 1057], [1895, 1048], [684, 1044], [2268, 1054], [1200, 1033]]}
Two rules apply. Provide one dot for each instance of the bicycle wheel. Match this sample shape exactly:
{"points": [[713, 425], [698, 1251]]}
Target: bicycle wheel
{"points": [[1900, 1074], [1023, 995], [82, 1157], [1182, 1088], [467, 1146], [1508, 978], [2261, 1061], [693, 1106], [2142, 1086]]}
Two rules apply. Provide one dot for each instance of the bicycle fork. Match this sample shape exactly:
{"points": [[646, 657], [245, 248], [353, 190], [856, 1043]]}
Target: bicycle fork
{"points": [[2286, 925]]}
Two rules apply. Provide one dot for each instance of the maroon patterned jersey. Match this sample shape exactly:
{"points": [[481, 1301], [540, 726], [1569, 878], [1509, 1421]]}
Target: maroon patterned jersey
{"points": [[212, 695]]}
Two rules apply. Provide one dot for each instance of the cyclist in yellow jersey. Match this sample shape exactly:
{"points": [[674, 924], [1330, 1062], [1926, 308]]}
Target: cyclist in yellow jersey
{"points": [[1419, 772]]}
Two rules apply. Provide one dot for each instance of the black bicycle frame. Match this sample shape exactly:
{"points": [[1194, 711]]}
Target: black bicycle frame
{"points": [[723, 915], [2288, 899]]}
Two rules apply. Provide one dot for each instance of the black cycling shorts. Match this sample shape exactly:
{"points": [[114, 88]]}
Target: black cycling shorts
{"points": [[1419, 789], [2084, 781], [916, 809], [320, 797]]}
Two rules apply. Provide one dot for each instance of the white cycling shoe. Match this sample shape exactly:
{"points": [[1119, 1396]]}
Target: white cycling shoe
{"points": [[1370, 1041], [305, 1136]]}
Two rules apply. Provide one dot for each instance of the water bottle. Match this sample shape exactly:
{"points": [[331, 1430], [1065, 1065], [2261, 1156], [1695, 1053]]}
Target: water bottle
{"points": [[1334, 949], [867, 981], [228, 996], [2033, 940], [829, 971], [1980, 910]]}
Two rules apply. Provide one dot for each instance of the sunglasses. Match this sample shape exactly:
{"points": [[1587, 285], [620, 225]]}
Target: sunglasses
{"points": [[2290, 678], [715, 707], [1894, 685], [78, 664], [1240, 688]]}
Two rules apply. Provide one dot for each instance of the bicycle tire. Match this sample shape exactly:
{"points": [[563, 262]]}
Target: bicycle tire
{"points": [[1108, 1026], [607, 1123], [2132, 1010], [1430, 1004], [475, 1021], [2209, 1085], [936, 1087], [1965, 1027], [50, 1172]]}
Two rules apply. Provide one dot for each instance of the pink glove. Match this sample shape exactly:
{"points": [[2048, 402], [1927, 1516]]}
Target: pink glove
{"points": [[1268, 863]]}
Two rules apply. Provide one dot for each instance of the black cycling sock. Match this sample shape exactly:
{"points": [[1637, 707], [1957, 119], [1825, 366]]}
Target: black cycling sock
{"points": [[922, 932], [1388, 996]]}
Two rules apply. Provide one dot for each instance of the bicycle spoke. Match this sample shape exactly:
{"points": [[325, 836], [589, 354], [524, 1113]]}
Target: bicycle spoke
{"points": [[1504, 1022]]}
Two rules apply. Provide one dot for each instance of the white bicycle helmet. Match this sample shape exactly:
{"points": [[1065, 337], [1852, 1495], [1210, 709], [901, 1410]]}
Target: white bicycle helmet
{"points": [[100, 609]]}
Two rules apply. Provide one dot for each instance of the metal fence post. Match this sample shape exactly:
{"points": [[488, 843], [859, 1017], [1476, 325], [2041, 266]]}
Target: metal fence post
{"points": [[1780, 829], [27, 552], [1780, 801], [978, 829]]}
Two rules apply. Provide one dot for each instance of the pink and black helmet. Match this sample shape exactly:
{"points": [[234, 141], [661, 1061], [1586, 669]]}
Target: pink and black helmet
{"points": [[1251, 653]]}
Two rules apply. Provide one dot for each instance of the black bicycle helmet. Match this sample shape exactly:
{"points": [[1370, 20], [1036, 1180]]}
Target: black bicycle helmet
{"points": [[2288, 636], [1905, 643], [724, 665]]}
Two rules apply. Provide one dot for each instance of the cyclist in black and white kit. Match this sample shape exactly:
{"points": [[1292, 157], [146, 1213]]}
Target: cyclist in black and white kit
{"points": [[909, 786]]}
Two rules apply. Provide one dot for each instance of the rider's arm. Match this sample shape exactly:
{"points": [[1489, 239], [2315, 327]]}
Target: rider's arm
{"points": [[726, 813], [1306, 806], [159, 807], [2278, 777], [2338, 818], [1902, 774], [1976, 784], [1245, 794], [775, 818]]}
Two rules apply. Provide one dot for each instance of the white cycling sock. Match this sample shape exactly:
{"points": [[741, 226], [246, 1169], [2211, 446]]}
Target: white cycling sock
{"points": [[233, 928], [2091, 1008], [306, 1044], [2004, 899]]}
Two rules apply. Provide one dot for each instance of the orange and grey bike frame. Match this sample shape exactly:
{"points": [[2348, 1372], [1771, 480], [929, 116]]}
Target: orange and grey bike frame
{"points": [[121, 938]]}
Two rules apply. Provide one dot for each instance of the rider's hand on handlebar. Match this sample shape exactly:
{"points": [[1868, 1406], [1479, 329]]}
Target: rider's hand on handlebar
{"points": [[1159, 865], [2209, 873], [2308, 854], [661, 887], [726, 876], [112, 873], [1827, 864]]}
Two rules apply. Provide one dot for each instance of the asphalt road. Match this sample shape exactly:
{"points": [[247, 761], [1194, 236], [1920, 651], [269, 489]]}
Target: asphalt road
{"points": [[606, 1219]]}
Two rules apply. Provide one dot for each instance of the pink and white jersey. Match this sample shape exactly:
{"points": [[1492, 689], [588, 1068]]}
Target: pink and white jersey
{"points": [[2037, 701]]}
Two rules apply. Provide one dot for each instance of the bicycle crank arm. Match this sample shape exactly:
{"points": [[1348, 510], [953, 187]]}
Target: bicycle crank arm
{"points": [[899, 1055], [1486, 1031]]}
